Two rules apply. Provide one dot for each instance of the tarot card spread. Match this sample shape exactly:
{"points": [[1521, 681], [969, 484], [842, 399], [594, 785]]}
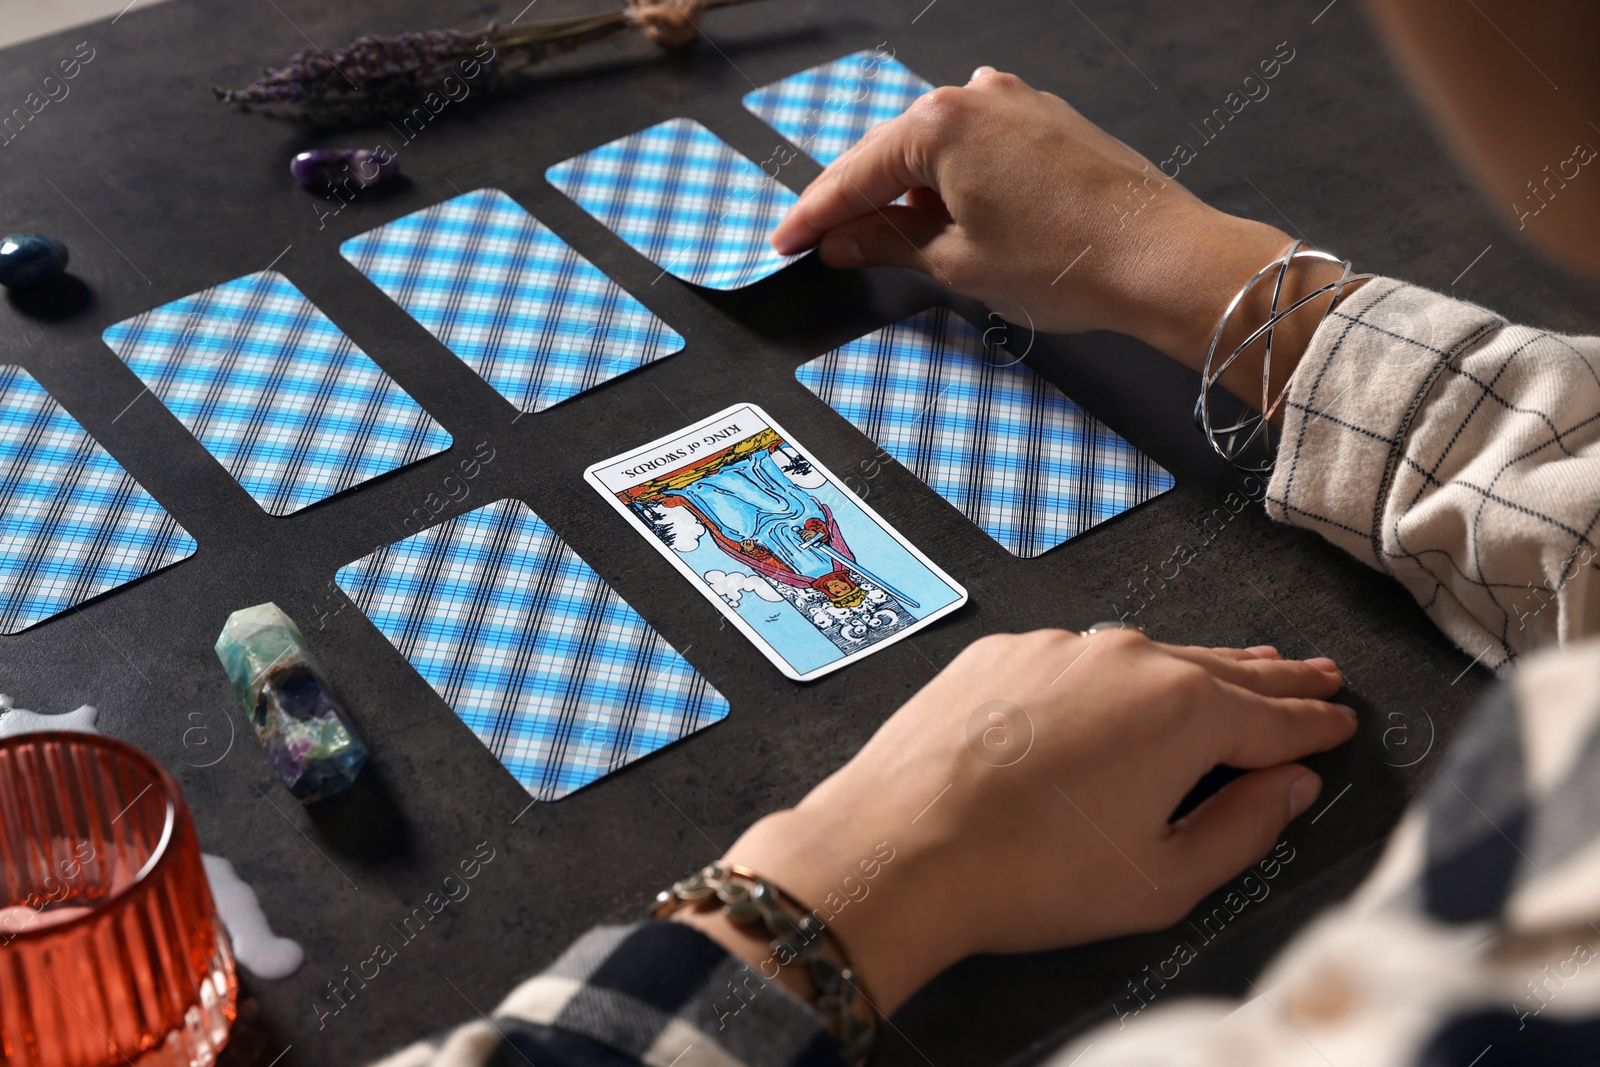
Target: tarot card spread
{"points": [[685, 200], [73, 523], [550, 668], [275, 391], [794, 560], [985, 432], [515, 302], [825, 110]]}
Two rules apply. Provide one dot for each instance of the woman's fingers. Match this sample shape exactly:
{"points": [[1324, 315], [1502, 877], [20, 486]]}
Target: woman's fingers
{"points": [[1225, 653], [1247, 729], [1238, 825], [895, 158], [889, 237], [1253, 652], [892, 159], [928, 200], [1269, 677]]}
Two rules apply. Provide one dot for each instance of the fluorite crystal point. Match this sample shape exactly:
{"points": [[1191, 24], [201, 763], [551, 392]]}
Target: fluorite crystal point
{"points": [[306, 732]]}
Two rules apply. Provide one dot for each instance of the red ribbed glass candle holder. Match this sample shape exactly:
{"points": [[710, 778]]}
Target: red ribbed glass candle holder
{"points": [[110, 947]]}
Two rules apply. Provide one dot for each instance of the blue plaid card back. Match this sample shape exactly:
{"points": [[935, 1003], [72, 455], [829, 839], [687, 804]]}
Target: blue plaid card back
{"points": [[1006, 447], [550, 668], [825, 110], [73, 523], [685, 200], [275, 391], [518, 304]]}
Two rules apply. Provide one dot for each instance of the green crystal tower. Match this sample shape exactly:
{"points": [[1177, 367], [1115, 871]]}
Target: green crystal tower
{"points": [[306, 732]]}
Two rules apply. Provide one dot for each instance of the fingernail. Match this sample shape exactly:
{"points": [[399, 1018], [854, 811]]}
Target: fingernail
{"points": [[1348, 710], [979, 72], [1303, 793], [1323, 663], [1263, 651], [844, 252]]}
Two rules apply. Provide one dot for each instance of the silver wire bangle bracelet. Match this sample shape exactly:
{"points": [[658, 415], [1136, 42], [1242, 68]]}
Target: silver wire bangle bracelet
{"points": [[1233, 441]]}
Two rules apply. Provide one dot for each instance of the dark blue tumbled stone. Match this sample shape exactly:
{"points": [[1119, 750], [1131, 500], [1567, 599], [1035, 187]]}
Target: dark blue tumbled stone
{"points": [[29, 259]]}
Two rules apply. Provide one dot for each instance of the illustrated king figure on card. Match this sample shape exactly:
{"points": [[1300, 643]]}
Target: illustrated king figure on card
{"points": [[754, 499]]}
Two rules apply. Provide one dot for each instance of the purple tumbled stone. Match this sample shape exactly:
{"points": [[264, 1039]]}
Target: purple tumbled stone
{"points": [[360, 167], [310, 169], [370, 168]]}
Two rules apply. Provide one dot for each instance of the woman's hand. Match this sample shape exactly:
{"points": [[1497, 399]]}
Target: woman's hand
{"points": [[1021, 202], [1024, 796]]}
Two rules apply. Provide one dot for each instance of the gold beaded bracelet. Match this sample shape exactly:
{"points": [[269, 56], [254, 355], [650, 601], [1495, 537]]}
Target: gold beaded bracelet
{"points": [[797, 934]]}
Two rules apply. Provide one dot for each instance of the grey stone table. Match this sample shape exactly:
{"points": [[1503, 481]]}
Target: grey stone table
{"points": [[162, 192]]}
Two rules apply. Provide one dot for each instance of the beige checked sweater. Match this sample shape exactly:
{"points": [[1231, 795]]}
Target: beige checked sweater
{"points": [[1461, 454]]}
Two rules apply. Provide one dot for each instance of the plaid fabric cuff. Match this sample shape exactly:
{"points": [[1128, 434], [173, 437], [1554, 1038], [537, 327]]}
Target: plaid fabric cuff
{"points": [[1355, 400], [655, 993]]}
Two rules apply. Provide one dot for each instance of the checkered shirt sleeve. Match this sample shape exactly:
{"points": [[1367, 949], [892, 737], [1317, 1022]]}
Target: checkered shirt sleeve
{"points": [[1459, 453], [660, 994]]}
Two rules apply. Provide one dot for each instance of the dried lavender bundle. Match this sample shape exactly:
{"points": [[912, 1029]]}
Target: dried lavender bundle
{"points": [[374, 77]]}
